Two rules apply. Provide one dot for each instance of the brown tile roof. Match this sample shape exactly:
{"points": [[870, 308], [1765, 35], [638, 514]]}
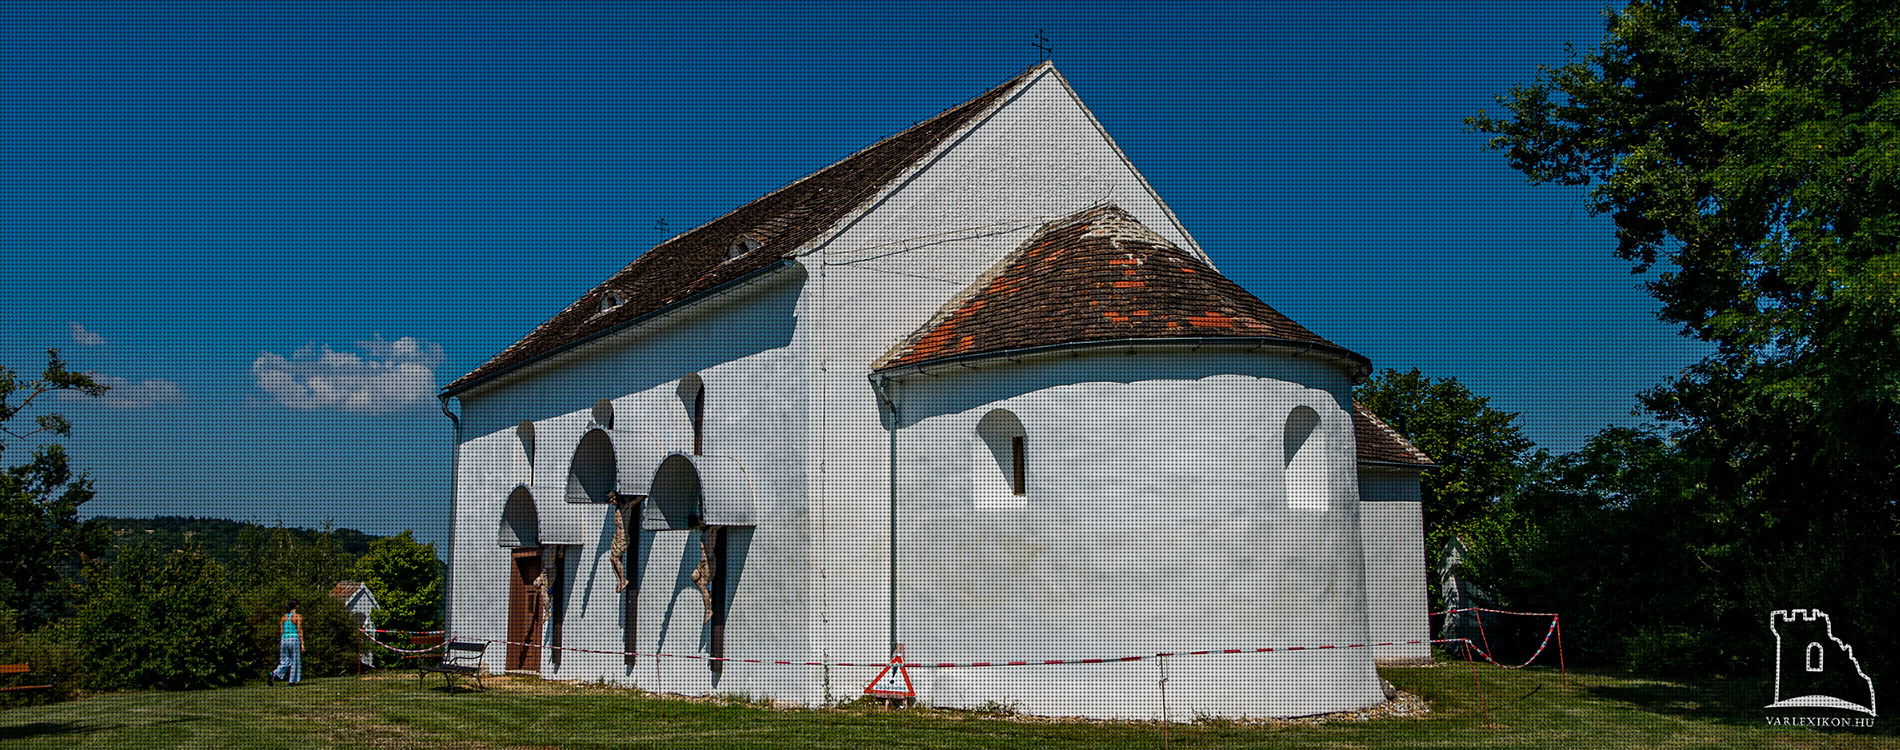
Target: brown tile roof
{"points": [[345, 590], [1097, 275], [1379, 443], [782, 222]]}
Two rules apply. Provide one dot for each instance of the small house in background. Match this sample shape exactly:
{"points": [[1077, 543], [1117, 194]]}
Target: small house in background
{"points": [[1461, 596], [362, 605]]}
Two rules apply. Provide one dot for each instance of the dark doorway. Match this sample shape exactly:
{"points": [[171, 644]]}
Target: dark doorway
{"points": [[525, 610]]}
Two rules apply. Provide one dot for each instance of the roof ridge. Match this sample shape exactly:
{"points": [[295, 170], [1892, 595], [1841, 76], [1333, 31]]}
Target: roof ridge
{"points": [[847, 157]]}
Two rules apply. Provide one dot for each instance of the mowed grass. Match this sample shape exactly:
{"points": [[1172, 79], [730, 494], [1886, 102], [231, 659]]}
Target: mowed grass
{"points": [[1528, 709]]}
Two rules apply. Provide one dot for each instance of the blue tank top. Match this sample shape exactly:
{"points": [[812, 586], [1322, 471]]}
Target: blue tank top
{"points": [[290, 629]]}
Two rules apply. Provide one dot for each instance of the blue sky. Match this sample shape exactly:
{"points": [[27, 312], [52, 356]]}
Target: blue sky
{"points": [[210, 203]]}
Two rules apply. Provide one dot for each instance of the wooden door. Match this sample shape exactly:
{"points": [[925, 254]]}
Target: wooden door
{"points": [[524, 610]]}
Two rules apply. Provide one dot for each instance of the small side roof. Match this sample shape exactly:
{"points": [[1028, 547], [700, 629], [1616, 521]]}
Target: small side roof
{"points": [[1098, 275], [347, 591], [779, 224], [1380, 444]]}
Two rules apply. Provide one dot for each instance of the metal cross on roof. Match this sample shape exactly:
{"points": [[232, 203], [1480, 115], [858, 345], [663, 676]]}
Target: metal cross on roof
{"points": [[1042, 43]]}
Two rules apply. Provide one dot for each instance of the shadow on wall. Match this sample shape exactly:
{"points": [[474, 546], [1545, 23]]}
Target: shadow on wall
{"points": [[738, 551], [954, 391], [746, 323]]}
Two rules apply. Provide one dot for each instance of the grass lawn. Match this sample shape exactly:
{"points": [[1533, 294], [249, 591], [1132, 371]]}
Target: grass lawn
{"points": [[1528, 709]]}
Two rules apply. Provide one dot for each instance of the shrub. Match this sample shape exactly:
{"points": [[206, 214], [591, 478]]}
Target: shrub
{"points": [[168, 622], [54, 654], [50, 651]]}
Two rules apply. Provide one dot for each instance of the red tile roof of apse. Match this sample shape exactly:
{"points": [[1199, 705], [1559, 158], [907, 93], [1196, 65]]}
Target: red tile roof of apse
{"points": [[1380, 444], [1099, 275], [782, 222]]}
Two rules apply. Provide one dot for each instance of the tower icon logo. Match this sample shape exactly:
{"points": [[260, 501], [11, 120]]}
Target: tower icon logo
{"points": [[1814, 669]]}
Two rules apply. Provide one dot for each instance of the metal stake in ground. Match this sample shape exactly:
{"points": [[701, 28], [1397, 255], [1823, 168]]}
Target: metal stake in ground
{"points": [[1474, 680], [1557, 623], [1164, 701]]}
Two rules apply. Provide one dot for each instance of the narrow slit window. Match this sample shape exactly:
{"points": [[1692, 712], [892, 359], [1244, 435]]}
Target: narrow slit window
{"points": [[999, 462], [1018, 485], [699, 422]]}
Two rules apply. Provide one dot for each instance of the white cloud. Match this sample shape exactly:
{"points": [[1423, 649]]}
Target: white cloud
{"points": [[84, 337], [126, 394], [395, 375]]}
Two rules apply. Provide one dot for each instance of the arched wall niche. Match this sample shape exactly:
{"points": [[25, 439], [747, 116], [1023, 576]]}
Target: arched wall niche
{"points": [[674, 498], [520, 525], [689, 491], [1304, 472], [604, 413], [595, 469], [999, 461]]}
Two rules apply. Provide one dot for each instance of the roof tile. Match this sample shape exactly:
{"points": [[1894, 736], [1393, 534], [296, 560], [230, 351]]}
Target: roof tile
{"points": [[1097, 275], [1379, 443]]}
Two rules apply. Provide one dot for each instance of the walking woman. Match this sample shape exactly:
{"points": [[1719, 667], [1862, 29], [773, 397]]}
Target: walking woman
{"points": [[289, 650]]}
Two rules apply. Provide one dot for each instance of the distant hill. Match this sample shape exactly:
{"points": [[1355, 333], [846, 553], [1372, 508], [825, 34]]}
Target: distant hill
{"points": [[216, 536]]}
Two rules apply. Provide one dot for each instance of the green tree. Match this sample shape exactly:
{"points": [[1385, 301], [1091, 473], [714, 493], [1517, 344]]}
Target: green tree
{"points": [[406, 577], [1750, 154], [1615, 536], [1480, 451], [1751, 151], [315, 561], [169, 622], [40, 532]]}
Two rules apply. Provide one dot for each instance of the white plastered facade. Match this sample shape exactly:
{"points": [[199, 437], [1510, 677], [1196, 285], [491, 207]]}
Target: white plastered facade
{"points": [[1157, 516]]}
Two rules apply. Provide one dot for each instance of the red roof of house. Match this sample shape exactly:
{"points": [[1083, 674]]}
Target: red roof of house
{"points": [[343, 591], [784, 221], [1096, 276], [1379, 443]]}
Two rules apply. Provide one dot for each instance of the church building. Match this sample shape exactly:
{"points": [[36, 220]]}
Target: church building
{"points": [[972, 394]]}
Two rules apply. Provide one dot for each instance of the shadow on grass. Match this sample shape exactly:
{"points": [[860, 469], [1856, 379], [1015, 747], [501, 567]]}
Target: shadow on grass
{"points": [[1734, 702], [57, 728], [45, 729], [455, 689]]}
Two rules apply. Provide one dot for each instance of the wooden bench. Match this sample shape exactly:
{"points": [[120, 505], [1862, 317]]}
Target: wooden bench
{"points": [[21, 670], [461, 657]]}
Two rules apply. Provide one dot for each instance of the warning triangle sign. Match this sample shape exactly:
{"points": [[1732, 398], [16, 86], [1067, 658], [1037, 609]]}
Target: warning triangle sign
{"points": [[894, 681]]}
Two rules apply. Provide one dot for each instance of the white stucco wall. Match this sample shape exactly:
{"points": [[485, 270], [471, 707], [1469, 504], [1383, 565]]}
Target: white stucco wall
{"points": [[742, 349], [1392, 532], [1156, 519]]}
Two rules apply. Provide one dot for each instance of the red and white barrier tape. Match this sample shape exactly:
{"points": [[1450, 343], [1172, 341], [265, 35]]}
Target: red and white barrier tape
{"points": [[372, 639], [1548, 632], [1494, 611], [404, 632], [954, 665]]}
